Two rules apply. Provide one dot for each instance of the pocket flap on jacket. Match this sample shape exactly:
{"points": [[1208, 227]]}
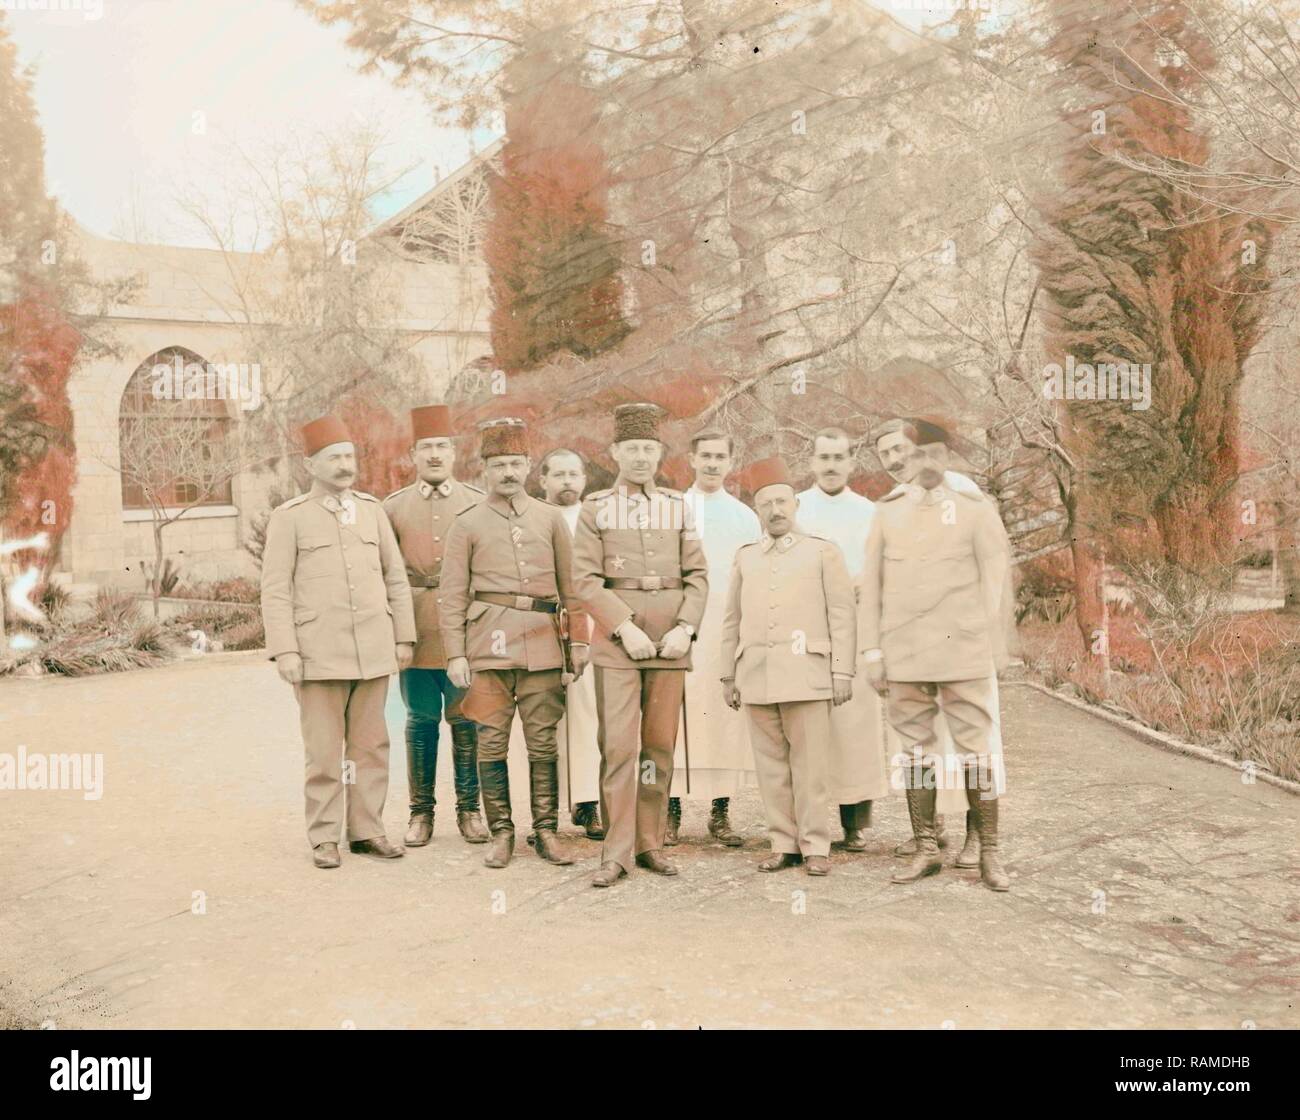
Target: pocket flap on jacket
{"points": [[301, 616], [307, 544], [818, 645]]}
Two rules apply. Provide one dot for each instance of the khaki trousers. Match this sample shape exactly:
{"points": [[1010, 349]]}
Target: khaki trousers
{"points": [[968, 709], [496, 694], [637, 713], [347, 715], [790, 742]]}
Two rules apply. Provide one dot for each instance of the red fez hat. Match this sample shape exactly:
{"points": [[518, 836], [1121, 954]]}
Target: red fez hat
{"points": [[769, 472], [430, 422], [507, 436], [636, 421], [322, 432]]}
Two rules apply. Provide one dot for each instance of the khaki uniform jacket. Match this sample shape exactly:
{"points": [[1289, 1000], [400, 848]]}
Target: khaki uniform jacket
{"points": [[623, 533], [334, 588], [422, 517], [791, 620], [936, 564], [519, 547]]}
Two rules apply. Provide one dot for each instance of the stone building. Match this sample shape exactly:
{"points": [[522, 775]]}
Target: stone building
{"points": [[181, 311]]}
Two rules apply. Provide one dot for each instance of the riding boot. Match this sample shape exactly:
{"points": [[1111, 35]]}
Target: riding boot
{"points": [[986, 815], [544, 791], [720, 826], [926, 860], [970, 851], [908, 846], [421, 767], [674, 822], [495, 780], [464, 753]]}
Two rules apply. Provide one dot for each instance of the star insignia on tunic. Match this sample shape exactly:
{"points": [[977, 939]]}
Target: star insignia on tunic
{"points": [[617, 563]]}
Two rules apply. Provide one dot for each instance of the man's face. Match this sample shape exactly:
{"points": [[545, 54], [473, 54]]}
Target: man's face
{"points": [[898, 455], [335, 466], [831, 463], [505, 474], [564, 480], [637, 459], [711, 462], [433, 457], [931, 462], [776, 506]]}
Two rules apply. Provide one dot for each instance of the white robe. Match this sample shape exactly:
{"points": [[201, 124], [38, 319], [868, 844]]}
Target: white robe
{"points": [[857, 769], [722, 763]]}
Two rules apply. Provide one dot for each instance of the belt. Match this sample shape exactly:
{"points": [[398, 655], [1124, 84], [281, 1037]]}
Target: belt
{"points": [[423, 581], [518, 602], [643, 583]]}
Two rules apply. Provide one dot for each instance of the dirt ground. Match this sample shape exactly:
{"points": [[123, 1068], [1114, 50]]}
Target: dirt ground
{"points": [[1148, 890]]}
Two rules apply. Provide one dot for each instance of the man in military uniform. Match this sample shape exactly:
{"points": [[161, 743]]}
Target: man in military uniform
{"points": [[788, 651], [639, 569], [337, 610], [506, 576], [830, 509], [931, 630], [563, 477], [422, 515]]}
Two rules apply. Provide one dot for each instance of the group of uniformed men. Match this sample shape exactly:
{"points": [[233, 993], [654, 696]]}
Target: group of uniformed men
{"points": [[629, 629]]}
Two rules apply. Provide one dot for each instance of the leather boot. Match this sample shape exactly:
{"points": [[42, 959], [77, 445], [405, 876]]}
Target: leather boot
{"points": [[927, 860], [544, 793], [908, 847], [674, 822], [720, 826], [464, 754], [421, 767], [970, 851], [855, 820], [495, 780], [986, 814], [586, 815]]}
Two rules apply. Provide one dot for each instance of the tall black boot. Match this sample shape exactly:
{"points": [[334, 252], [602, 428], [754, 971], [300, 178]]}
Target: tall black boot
{"points": [[855, 820], [674, 822], [421, 768], [544, 789], [720, 824], [495, 779], [464, 753]]}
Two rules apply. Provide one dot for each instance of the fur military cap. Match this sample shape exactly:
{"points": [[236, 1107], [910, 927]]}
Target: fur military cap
{"points": [[636, 421]]}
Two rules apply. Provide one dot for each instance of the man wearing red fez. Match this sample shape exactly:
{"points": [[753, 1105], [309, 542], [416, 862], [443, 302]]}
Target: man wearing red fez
{"points": [[507, 583], [640, 569], [422, 516], [788, 652], [337, 610]]}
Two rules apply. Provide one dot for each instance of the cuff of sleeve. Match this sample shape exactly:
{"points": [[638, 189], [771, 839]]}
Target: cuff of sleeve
{"points": [[870, 655]]}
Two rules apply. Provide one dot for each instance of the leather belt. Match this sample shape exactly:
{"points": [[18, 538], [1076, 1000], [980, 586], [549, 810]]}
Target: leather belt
{"points": [[518, 602], [643, 583], [423, 581]]}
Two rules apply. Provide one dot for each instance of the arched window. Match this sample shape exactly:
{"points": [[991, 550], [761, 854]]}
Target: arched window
{"points": [[176, 437]]}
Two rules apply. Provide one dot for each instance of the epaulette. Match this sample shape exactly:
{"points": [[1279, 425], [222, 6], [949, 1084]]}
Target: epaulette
{"points": [[667, 493], [897, 492], [293, 502], [973, 495], [403, 490], [367, 497], [598, 494], [471, 487]]}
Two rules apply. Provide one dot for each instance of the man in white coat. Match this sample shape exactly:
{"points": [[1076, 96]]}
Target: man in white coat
{"points": [[721, 764], [829, 509], [563, 477]]}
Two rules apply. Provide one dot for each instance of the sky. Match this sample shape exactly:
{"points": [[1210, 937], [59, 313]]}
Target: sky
{"points": [[121, 84], [118, 94]]}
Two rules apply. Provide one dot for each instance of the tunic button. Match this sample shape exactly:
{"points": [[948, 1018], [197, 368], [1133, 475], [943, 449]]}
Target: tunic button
{"points": [[354, 610], [437, 538], [352, 586], [649, 553]]}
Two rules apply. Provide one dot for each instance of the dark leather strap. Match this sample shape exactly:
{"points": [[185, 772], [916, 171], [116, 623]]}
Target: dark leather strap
{"points": [[517, 602], [643, 583], [423, 581]]}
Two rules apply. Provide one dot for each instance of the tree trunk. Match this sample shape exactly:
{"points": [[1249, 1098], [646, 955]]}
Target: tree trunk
{"points": [[1089, 609], [1288, 557]]}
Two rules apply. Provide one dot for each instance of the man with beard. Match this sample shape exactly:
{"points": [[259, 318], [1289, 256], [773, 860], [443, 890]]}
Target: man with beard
{"points": [[564, 477], [720, 761], [422, 516], [641, 573], [932, 632], [788, 653], [829, 509], [337, 610], [506, 574]]}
